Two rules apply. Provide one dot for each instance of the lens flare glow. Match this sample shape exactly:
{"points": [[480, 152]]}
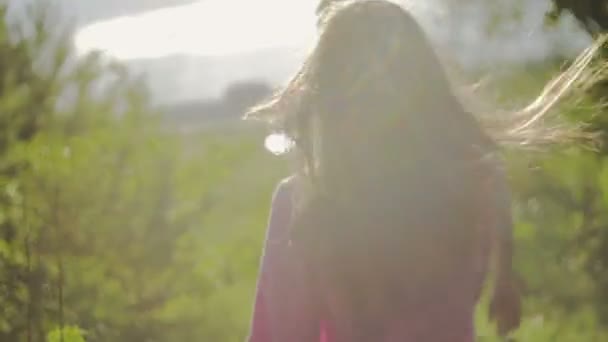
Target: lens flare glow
{"points": [[278, 143]]}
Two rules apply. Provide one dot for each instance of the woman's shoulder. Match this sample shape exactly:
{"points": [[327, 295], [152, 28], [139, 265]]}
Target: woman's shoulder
{"points": [[288, 181], [280, 212], [283, 194], [285, 187]]}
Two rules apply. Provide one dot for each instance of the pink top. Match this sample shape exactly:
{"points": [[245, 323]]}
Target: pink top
{"points": [[283, 310]]}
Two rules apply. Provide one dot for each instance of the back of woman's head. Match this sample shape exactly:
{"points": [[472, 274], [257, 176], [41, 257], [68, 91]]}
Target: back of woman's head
{"points": [[390, 166], [387, 166], [372, 72]]}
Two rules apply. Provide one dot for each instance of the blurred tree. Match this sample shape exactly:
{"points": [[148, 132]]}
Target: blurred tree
{"points": [[591, 14], [562, 227], [108, 222], [26, 100]]}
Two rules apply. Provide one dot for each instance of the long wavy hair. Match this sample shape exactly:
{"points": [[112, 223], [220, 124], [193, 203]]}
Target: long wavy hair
{"points": [[390, 163]]}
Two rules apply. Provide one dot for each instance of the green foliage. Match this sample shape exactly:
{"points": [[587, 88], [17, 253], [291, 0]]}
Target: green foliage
{"points": [[108, 221], [67, 334], [560, 201]]}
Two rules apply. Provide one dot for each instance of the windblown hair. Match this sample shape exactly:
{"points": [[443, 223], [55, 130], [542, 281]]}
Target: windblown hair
{"points": [[390, 165]]}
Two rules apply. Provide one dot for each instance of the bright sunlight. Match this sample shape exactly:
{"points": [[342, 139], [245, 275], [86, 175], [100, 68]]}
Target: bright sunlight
{"points": [[206, 28]]}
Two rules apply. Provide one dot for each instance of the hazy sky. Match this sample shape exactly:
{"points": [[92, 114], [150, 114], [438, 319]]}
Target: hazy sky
{"points": [[88, 11], [205, 28], [225, 27], [266, 38]]}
